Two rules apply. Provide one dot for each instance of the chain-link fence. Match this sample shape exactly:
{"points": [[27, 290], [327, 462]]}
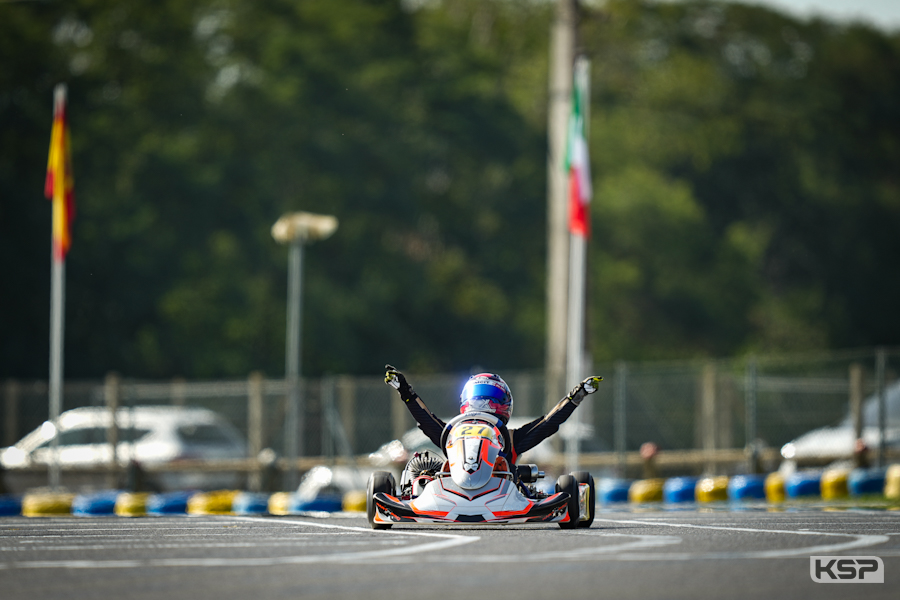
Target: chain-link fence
{"points": [[692, 409]]}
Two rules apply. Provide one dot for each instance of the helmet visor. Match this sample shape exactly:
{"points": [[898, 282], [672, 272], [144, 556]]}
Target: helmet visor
{"points": [[485, 391], [484, 397]]}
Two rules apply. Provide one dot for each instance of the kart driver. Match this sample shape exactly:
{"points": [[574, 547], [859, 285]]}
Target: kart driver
{"points": [[488, 393]]}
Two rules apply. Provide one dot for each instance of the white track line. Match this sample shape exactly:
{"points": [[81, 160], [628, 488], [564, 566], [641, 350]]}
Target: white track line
{"points": [[635, 551], [627, 551], [447, 541], [860, 541], [642, 542]]}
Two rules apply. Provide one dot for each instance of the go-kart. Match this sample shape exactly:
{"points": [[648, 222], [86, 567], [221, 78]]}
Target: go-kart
{"points": [[474, 485]]}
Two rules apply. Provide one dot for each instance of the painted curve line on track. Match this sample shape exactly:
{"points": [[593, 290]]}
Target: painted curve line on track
{"points": [[448, 541], [620, 552], [641, 543], [860, 541]]}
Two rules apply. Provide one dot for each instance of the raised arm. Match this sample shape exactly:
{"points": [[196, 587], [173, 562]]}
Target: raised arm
{"points": [[428, 423], [531, 434]]}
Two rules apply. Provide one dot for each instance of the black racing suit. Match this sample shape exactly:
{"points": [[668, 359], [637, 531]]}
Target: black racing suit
{"points": [[515, 442]]}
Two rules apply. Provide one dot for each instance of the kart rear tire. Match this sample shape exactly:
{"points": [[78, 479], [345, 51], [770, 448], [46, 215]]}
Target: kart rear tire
{"points": [[585, 477], [567, 484], [379, 482]]}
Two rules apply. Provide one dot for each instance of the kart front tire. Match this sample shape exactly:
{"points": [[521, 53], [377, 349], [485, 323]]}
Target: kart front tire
{"points": [[585, 477], [379, 482], [567, 484]]}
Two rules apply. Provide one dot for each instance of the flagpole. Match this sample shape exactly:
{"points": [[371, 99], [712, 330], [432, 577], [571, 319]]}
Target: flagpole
{"points": [[577, 277], [58, 248], [575, 350], [58, 292]]}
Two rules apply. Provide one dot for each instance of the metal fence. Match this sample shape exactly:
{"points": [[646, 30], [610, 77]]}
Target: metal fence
{"points": [[710, 407]]}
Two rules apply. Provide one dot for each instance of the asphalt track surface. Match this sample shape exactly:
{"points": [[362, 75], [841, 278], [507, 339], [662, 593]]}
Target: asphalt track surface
{"points": [[693, 553]]}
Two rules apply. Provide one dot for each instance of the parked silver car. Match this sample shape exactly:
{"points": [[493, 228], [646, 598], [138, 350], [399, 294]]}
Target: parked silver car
{"points": [[148, 435]]}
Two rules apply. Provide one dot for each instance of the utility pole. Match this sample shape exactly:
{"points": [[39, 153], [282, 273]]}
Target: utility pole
{"points": [[562, 54]]}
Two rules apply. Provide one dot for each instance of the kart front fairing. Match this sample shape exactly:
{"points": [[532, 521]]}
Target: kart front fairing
{"points": [[499, 501], [474, 485]]}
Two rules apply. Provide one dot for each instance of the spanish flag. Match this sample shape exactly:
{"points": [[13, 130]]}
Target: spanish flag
{"points": [[59, 185]]}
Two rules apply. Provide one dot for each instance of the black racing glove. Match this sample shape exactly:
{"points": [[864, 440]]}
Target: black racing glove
{"points": [[580, 391], [396, 380]]}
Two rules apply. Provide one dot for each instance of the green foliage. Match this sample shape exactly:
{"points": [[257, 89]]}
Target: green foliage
{"points": [[763, 148], [744, 170]]}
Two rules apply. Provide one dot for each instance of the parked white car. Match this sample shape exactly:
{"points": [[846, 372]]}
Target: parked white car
{"points": [[836, 443], [149, 435]]}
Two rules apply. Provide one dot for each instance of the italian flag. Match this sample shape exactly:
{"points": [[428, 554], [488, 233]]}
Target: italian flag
{"points": [[59, 185], [577, 162]]}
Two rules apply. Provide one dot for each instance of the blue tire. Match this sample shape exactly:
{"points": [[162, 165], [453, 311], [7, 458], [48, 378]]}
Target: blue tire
{"points": [[318, 504], [247, 503], [747, 487], [679, 489], [10, 506], [803, 484], [612, 491], [866, 481], [170, 503], [96, 504]]}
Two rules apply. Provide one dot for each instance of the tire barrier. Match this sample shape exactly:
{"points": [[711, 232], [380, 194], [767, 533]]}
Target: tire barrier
{"points": [[612, 491], [803, 484], [864, 482], [130, 504], [712, 489], [354, 501], [96, 504], [279, 503], [45, 505], [170, 503], [747, 487], [10, 506], [211, 503], [774, 486], [646, 490], [679, 489], [892, 483], [833, 484], [249, 503]]}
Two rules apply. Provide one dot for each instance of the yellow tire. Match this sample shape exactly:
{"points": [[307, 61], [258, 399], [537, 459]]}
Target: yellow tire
{"points": [[131, 504], [279, 503], [775, 488], [646, 490], [47, 505], [211, 503], [834, 484], [712, 489], [354, 501], [892, 483]]}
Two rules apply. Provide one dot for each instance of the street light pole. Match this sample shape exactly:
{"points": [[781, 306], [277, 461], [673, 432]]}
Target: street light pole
{"points": [[294, 422], [297, 230]]}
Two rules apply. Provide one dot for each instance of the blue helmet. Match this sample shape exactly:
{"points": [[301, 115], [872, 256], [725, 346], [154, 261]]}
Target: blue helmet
{"points": [[487, 393]]}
